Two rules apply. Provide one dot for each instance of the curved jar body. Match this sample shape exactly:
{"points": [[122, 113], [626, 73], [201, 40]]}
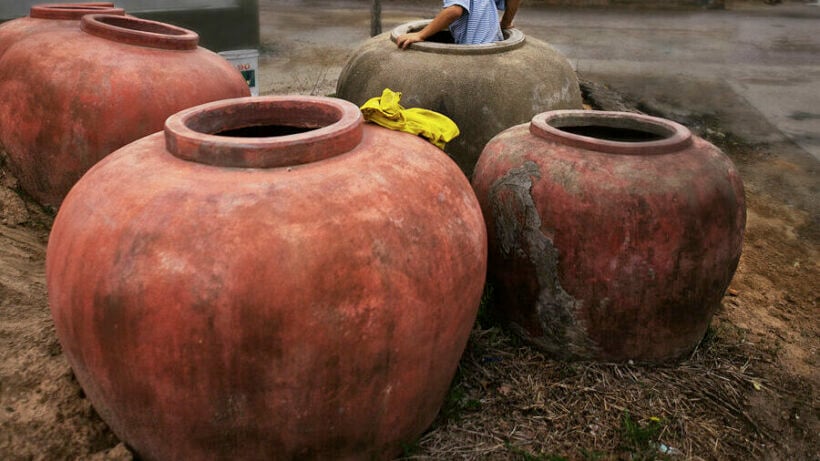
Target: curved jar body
{"points": [[48, 17], [74, 95], [613, 236], [485, 89], [303, 296]]}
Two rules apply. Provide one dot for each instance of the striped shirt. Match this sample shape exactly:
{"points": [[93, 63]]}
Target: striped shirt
{"points": [[479, 23]]}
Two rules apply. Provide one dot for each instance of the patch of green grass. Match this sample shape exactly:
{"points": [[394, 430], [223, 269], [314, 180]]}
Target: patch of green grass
{"points": [[457, 401], [486, 317], [524, 455], [587, 455], [409, 449], [641, 440], [709, 337]]}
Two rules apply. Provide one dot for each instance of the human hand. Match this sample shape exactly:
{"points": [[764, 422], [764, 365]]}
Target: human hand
{"points": [[507, 24], [403, 41]]}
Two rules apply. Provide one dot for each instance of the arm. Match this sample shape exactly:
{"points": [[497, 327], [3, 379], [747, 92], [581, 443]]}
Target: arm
{"points": [[509, 14], [439, 23]]}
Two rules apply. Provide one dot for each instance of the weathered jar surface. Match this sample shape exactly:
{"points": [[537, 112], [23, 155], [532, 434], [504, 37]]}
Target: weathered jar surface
{"points": [[269, 278], [613, 236], [485, 89], [74, 95], [50, 16]]}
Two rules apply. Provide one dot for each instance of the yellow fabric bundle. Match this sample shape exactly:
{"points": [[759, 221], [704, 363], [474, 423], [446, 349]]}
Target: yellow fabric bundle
{"points": [[387, 112]]}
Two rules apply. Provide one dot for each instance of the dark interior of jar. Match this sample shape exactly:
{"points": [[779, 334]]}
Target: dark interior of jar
{"points": [[608, 133], [612, 129], [264, 131], [443, 36], [263, 120], [142, 26], [79, 7]]}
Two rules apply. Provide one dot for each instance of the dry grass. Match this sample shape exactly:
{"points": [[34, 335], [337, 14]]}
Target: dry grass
{"points": [[509, 401]]}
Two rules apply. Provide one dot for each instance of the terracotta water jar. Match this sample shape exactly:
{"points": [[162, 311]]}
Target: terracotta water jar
{"points": [[613, 236], [74, 95], [485, 89], [50, 16], [268, 278]]}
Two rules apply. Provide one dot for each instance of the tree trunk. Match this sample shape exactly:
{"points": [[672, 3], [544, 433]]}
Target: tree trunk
{"points": [[376, 18]]}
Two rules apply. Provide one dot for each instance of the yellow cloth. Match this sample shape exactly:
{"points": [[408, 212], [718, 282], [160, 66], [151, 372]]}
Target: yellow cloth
{"points": [[387, 112]]}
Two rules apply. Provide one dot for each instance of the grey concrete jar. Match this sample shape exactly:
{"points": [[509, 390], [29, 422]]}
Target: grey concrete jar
{"points": [[485, 89]]}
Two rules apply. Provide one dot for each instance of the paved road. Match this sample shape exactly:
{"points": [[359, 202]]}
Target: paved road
{"points": [[756, 70], [769, 57]]}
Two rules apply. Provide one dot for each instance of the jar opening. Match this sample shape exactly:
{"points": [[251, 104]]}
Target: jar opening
{"points": [[443, 43], [150, 27], [260, 118], [266, 132], [612, 132], [445, 36], [140, 32]]}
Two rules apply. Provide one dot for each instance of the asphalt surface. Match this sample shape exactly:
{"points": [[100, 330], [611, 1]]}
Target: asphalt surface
{"points": [[755, 68], [763, 59]]}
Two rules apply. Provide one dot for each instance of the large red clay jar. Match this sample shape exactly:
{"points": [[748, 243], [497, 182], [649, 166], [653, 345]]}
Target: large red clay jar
{"points": [[268, 279], [613, 236], [50, 16], [74, 95]]}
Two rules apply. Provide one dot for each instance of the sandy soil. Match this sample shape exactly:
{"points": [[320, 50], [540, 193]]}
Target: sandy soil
{"points": [[749, 391]]}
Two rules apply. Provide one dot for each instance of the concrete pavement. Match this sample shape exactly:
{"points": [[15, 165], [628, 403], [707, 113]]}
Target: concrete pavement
{"points": [[753, 67], [769, 57]]}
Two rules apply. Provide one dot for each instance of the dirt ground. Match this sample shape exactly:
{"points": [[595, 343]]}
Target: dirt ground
{"points": [[749, 391]]}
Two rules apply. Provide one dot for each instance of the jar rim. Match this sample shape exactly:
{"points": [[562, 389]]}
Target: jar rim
{"points": [[329, 127], [513, 39], [665, 136], [73, 11], [140, 32]]}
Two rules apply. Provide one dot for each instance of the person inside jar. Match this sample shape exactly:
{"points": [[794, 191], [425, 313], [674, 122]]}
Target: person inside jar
{"points": [[471, 22]]}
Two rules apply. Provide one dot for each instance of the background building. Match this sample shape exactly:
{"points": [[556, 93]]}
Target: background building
{"points": [[221, 24]]}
